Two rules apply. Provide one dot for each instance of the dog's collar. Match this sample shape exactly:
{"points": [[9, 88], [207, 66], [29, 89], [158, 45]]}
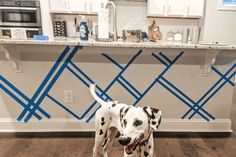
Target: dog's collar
{"points": [[145, 141]]}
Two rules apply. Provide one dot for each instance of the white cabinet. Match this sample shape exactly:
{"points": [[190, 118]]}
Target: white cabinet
{"points": [[195, 8], [96, 5], [58, 6], [76, 6], [176, 8], [156, 7]]}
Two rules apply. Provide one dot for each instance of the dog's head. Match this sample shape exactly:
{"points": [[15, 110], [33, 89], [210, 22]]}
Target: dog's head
{"points": [[137, 125]]}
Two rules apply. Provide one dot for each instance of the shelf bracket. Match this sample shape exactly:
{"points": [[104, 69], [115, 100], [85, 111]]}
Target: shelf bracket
{"points": [[209, 61], [13, 55]]}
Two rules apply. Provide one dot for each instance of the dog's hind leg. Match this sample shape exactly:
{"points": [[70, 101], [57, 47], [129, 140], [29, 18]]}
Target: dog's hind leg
{"points": [[111, 134], [102, 126]]}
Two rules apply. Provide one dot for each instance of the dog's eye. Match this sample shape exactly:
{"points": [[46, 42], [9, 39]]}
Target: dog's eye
{"points": [[125, 123], [137, 123]]}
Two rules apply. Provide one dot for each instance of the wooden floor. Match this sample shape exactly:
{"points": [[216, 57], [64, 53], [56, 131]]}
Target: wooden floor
{"points": [[175, 145], [76, 145]]}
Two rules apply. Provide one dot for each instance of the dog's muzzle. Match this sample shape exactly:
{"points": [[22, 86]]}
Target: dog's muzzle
{"points": [[124, 140], [130, 147]]}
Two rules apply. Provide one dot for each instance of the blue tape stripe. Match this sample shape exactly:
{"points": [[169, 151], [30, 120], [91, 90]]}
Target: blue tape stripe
{"points": [[80, 78], [76, 75], [185, 96], [144, 93], [18, 100], [168, 60], [80, 71], [42, 85], [53, 81], [130, 85], [65, 108], [209, 91], [121, 83], [179, 91], [14, 88], [113, 61], [89, 109], [159, 59], [224, 77], [185, 102], [92, 115], [22, 95], [213, 94], [116, 78], [169, 66], [121, 72]]}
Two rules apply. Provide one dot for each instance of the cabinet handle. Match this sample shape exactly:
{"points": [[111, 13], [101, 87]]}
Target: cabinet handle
{"points": [[65, 4]]}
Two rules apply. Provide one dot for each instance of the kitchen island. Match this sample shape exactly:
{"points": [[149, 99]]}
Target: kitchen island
{"points": [[44, 84]]}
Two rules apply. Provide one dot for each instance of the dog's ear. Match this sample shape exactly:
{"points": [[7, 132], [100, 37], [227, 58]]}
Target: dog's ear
{"points": [[154, 116]]}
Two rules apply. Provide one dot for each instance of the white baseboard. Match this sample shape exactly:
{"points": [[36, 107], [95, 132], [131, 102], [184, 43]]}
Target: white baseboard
{"points": [[73, 125]]}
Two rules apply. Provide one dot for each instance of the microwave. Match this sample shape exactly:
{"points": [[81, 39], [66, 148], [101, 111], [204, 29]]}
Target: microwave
{"points": [[22, 13], [28, 32]]}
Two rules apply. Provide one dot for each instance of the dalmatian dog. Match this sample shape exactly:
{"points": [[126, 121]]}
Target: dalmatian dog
{"points": [[134, 124]]}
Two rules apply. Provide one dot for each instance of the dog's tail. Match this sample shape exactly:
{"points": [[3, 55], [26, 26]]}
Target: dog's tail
{"points": [[95, 96]]}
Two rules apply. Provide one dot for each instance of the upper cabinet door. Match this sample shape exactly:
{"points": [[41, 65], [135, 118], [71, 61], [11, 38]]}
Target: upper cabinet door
{"points": [[195, 8], [58, 6], [177, 8], [156, 7], [78, 6], [96, 5]]}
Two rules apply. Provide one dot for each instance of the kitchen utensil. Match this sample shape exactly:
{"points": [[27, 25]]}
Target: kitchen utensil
{"points": [[196, 34], [132, 35], [154, 32], [59, 28], [186, 33]]}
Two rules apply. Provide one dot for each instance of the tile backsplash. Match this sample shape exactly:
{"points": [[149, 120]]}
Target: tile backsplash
{"points": [[133, 15]]}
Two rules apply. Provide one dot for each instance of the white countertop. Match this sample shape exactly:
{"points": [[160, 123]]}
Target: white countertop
{"points": [[160, 44]]}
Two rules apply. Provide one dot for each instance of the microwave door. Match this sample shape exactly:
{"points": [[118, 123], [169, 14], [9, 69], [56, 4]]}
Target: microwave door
{"points": [[19, 17]]}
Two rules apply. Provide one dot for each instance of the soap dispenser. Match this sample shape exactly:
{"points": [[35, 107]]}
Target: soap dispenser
{"points": [[84, 32]]}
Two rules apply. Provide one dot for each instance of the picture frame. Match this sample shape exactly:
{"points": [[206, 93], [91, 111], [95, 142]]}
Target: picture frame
{"points": [[227, 5]]}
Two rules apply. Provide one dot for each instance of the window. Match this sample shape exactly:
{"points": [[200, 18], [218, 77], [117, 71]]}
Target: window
{"points": [[227, 5]]}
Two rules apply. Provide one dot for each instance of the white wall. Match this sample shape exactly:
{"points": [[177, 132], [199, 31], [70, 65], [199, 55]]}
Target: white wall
{"points": [[219, 25], [46, 18]]}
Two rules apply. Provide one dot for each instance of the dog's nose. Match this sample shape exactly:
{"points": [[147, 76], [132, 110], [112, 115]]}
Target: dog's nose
{"points": [[124, 140]]}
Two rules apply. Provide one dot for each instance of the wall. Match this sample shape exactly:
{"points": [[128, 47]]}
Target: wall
{"points": [[185, 74], [219, 25]]}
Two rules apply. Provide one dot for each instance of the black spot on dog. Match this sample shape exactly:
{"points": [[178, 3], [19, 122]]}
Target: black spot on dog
{"points": [[125, 112], [113, 105], [102, 123], [102, 119], [145, 153], [153, 116], [159, 121], [150, 147], [105, 143], [155, 110], [154, 122], [101, 132]]}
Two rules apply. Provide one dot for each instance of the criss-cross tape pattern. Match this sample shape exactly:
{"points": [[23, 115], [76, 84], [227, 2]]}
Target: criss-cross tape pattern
{"points": [[195, 107], [32, 105]]}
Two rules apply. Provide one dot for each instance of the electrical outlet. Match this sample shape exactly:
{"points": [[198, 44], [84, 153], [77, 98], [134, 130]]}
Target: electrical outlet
{"points": [[68, 96]]}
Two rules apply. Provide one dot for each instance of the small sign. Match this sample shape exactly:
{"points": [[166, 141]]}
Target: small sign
{"points": [[18, 33]]}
